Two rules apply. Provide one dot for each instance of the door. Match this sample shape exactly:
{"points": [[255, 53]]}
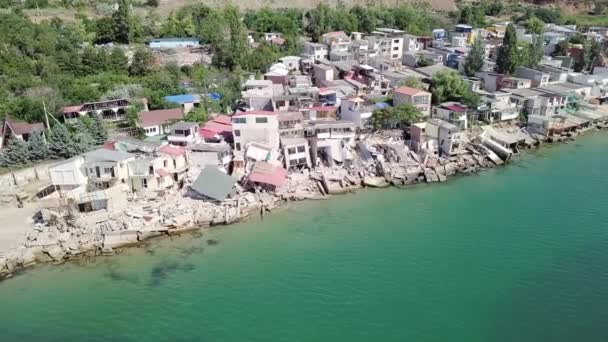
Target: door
{"points": [[97, 172]]}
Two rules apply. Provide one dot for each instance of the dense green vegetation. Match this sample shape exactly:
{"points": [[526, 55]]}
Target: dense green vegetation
{"points": [[56, 63]]}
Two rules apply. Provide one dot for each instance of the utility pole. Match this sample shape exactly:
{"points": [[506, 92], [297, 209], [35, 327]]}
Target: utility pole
{"points": [[46, 117]]}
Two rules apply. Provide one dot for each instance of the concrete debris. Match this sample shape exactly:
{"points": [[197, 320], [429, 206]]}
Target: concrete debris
{"points": [[378, 160]]}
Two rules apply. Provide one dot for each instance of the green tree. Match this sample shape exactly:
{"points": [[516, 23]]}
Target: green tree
{"points": [[318, 21], [237, 51], [15, 153], [122, 22], [197, 115], [118, 61], [60, 143], [97, 131], [104, 30], [507, 59], [407, 114], [447, 85], [535, 25], [382, 117], [36, 147], [133, 116], [141, 63], [391, 116], [424, 62], [535, 52], [261, 57], [412, 82], [475, 60], [80, 126], [82, 142]]}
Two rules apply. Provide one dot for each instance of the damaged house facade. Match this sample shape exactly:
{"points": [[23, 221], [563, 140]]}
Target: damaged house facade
{"points": [[110, 110]]}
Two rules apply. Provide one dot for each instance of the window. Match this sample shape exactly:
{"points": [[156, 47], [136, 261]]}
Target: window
{"points": [[261, 120], [239, 120], [395, 48], [291, 150], [144, 182], [107, 170], [293, 162], [164, 163], [421, 100], [395, 56], [237, 146], [396, 41], [301, 149], [302, 161], [151, 170], [237, 133]]}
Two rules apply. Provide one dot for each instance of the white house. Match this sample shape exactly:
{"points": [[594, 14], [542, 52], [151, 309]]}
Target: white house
{"points": [[291, 62], [106, 168], [315, 51], [411, 44], [149, 173], [452, 112], [354, 109], [183, 133], [418, 98], [156, 122], [69, 177], [296, 152], [260, 127]]}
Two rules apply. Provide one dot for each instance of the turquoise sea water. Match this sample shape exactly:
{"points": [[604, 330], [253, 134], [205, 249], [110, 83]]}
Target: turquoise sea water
{"points": [[514, 254]]}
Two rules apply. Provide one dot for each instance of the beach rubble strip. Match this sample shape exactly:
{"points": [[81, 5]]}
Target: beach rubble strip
{"points": [[381, 159]]}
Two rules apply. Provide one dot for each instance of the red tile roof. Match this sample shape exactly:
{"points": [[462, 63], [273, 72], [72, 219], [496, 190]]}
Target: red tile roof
{"points": [[18, 127], [266, 173], [335, 34], [172, 150], [455, 108], [109, 145], [409, 91], [278, 41], [159, 117], [208, 134], [223, 119], [217, 127], [71, 109]]}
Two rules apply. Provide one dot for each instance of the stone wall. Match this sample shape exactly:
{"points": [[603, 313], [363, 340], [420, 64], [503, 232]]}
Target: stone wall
{"points": [[25, 176]]}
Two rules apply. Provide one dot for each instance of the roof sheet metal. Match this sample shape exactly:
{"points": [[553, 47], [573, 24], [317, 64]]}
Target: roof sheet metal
{"points": [[266, 173], [181, 99], [102, 154], [213, 183], [159, 117]]}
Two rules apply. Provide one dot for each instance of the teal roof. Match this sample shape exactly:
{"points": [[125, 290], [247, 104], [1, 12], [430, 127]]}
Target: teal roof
{"points": [[213, 183]]}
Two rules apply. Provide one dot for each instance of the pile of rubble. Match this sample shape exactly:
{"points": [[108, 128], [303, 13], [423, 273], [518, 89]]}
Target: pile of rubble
{"points": [[380, 160]]}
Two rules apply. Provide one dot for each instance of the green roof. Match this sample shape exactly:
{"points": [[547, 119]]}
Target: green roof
{"points": [[213, 183]]}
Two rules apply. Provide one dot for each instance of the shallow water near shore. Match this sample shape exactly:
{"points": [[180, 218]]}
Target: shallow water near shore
{"points": [[513, 254]]}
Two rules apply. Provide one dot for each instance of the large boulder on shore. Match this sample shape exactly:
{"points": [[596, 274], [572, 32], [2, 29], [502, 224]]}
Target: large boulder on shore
{"points": [[55, 252]]}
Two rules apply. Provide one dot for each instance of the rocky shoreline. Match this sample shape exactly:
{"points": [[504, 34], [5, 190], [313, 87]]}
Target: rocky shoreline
{"points": [[58, 236]]}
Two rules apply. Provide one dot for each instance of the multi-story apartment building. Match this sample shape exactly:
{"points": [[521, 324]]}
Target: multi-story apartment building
{"points": [[261, 127]]}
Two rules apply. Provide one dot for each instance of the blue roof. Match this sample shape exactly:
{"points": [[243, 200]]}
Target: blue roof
{"points": [[214, 96], [382, 105], [180, 99]]}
